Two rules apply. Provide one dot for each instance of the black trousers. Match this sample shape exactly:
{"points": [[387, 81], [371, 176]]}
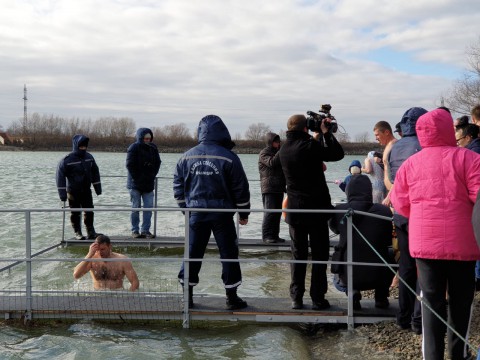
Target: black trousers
{"points": [[436, 277], [81, 200], [271, 221], [316, 235], [410, 312], [223, 227]]}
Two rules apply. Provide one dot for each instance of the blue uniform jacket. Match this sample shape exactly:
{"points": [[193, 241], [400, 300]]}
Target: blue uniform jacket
{"points": [[210, 175], [77, 171]]}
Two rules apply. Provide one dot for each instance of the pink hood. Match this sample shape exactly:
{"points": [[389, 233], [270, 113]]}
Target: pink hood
{"points": [[435, 128]]}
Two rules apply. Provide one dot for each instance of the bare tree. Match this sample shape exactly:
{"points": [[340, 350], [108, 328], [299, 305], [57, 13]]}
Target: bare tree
{"points": [[342, 137], [465, 93], [257, 132], [363, 137]]}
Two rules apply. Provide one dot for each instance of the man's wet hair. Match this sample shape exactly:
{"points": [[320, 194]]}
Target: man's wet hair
{"points": [[383, 126], [102, 239]]}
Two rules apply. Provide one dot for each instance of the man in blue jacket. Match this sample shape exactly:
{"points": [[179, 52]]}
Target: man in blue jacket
{"points": [[211, 176], [143, 164], [76, 172]]}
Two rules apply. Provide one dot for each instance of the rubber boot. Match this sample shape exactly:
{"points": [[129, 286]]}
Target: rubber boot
{"points": [[233, 301]]}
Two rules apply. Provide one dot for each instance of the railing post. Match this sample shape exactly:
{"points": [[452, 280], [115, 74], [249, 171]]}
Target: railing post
{"points": [[155, 203], [350, 320], [63, 222], [186, 272], [28, 256]]}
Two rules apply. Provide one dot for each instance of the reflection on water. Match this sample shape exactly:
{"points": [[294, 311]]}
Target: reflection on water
{"points": [[28, 181]]}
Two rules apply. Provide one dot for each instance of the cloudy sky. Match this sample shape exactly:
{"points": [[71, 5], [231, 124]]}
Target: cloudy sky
{"points": [[162, 62]]}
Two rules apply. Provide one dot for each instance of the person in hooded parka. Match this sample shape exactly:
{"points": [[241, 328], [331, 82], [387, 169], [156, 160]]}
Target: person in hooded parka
{"points": [[377, 231]]}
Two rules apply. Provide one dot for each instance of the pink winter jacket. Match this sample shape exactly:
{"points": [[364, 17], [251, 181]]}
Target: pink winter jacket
{"points": [[436, 189]]}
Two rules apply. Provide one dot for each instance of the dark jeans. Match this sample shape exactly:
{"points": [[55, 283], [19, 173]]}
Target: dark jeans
{"points": [[410, 312], [81, 200], [436, 277], [317, 233], [271, 221], [223, 228]]}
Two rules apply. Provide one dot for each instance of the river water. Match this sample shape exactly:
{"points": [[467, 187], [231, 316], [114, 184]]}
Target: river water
{"points": [[27, 180]]}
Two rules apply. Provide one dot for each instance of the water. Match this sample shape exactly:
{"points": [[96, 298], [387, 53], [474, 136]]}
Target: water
{"points": [[28, 181]]}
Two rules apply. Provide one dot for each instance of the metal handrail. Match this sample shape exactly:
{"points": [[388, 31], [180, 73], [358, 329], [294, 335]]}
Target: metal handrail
{"points": [[29, 259]]}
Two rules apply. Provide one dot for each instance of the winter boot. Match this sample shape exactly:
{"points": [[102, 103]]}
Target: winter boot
{"points": [[91, 234], [233, 301]]}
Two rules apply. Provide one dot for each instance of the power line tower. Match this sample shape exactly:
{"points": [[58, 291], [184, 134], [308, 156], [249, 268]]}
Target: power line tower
{"points": [[25, 119], [25, 102]]}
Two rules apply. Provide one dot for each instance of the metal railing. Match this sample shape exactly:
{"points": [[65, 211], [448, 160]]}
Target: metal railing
{"points": [[30, 257]]}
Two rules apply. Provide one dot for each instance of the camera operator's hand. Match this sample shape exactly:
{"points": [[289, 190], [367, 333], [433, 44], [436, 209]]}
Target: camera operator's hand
{"points": [[323, 127]]}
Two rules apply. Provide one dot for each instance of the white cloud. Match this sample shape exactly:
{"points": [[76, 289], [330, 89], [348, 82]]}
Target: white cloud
{"points": [[161, 62]]}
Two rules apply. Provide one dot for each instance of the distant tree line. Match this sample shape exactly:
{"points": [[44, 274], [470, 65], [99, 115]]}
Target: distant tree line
{"points": [[51, 132]]}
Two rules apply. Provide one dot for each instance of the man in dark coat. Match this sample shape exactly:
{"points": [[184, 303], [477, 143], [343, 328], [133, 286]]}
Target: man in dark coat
{"points": [[211, 176], [76, 172], [377, 231], [301, 157], [409, 315], [143, 163], [272, 184]]}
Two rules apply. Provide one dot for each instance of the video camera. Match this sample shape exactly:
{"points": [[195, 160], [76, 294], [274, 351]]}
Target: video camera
{"points": [[314, 120]]}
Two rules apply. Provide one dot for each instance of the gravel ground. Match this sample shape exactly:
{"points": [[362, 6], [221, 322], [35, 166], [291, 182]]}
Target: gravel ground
{"points": [[387, 338]]}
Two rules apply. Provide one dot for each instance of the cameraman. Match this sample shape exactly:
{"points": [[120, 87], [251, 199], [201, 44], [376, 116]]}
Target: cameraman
{"points": [[301, 157]]}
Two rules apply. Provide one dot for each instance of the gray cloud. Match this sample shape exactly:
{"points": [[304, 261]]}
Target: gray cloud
{"points": [[175, 61]]}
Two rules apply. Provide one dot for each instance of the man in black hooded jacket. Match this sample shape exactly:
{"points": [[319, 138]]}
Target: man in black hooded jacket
{"points": [[76, 172]]}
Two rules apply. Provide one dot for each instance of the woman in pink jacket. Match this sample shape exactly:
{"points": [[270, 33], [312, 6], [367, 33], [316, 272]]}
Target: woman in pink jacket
{"points": [[436, 189]]}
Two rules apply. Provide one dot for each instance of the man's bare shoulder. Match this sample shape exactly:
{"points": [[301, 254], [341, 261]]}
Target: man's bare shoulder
{"points": [[117, 255], [389, 145]]}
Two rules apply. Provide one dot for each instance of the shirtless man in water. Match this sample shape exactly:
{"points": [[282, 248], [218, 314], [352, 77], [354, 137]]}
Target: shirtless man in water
{"points": [[106, 275]]}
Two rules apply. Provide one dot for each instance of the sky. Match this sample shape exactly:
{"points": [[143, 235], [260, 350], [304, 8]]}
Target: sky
{"points": [[163, 62]]}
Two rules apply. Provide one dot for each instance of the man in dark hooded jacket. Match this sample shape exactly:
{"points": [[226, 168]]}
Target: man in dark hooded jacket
{"points": [[76, 172], [301, 157], [143, 163], [410, 312], [272, 184], [211, 176], [378, 232]]}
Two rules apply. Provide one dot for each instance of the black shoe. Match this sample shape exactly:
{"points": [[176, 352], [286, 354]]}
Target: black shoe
{"points": [[416, 329], [404, 326], [297, 304], [280, 240], [235, 302], [92, 235], [147, 234], [269, 241], [79, 236], [356, 301], [320, 305], [382, 303], [137, 235]]}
